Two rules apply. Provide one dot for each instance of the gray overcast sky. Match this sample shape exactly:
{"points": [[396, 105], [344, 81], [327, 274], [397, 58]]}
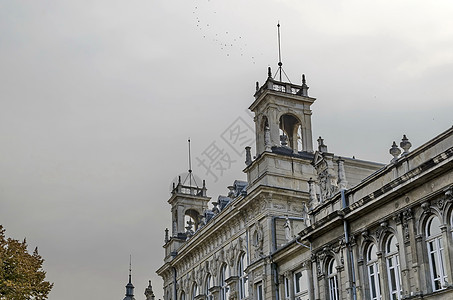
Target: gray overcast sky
{"points": [[98, 98]]}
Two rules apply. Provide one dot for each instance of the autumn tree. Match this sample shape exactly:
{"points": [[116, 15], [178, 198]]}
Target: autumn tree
{"points": [[21, 273]]}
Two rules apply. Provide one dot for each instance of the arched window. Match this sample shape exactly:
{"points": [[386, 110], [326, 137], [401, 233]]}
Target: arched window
{"points": [[208, 285], [435, 247], [183, 296], [373, 272], [243, 277], [194, 291], [393, 268], [224, 289], [333, 279]]}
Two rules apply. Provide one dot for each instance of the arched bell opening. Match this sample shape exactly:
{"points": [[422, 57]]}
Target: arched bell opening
{"points": [[290, 132], [191, 219]]}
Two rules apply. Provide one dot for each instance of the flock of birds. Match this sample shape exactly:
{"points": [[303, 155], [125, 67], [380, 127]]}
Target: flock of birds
{"points": [[206, 19]]}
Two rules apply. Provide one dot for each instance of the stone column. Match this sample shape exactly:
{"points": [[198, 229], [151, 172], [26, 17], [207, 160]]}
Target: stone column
{"points": [[419, 266], [360, 279], [383, 281], [307, 139], [259, 133], [281, 287], [274, 126], [447, 259], [308, 267], [318, 276], [180, 222], [404, 248]]}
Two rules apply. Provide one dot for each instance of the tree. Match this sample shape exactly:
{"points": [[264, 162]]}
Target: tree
{"points": [[21, 273]]}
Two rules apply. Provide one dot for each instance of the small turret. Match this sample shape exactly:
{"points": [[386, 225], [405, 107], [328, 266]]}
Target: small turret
{"points": [[149, 292]]}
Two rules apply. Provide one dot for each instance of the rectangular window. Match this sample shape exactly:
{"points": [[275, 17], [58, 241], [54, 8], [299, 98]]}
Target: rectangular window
{"points": [[287, 288], [301, 284], [259, 291]]}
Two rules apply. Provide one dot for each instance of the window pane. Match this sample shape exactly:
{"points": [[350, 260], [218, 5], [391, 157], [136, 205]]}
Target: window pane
{"points": [[259, 292], [373, 287], [372, 253], [433, 227], [391, 245], [297, 282], [393, 280]]}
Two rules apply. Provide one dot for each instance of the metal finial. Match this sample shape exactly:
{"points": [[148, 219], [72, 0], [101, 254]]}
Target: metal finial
{"points": [[280, 64], [190, 164], [269, 72], [303, 79]]}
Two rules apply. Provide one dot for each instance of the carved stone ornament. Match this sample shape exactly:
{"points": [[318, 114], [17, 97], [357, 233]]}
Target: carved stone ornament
{"points": [[397, 218], [221, 255], [278, 206], [257, 239], [449, 194], [440, 202], [214, 264], [326, 186], [426, 206], [337, 248], [313, 257], [383, 227], [318, 269], [231, 253], [324, 252], [241, 243], [407, 214], [352, 239], [199, 276], [365, 235], [406, 232]]}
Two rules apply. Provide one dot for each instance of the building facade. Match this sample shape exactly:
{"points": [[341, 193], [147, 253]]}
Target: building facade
{"points": [[309, 224]]}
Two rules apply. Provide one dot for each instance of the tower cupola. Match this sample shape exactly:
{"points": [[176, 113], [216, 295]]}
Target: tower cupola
{"points": [[283, 135], [282, 116]]}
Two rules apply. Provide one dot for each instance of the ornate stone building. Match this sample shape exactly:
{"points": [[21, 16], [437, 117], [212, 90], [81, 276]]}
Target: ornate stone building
{"points": [[309, 224]]}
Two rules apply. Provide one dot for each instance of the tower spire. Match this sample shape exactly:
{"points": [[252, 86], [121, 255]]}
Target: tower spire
{"points": [[130, 268], [129, 285]]}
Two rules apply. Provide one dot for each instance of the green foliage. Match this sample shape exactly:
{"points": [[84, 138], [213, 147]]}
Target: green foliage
{"points": [[21, 273]]}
